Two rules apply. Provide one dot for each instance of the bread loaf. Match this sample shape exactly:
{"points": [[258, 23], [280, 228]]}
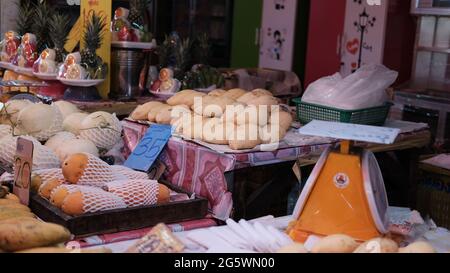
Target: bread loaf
{"points": [[215, 131], [245, 137], [164, 116], [217, 93], [156, 110], [141, 112], [258, 115], [282, 119], [246, 98], [261, 92], [267, 101], [185, 97], [271, 133], [335, 244], [235, 93]]}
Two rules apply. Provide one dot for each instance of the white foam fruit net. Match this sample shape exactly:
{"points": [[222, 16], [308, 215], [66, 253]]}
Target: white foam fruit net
{"points": [[95, 199], [97, 173], [56, 127], [49, 174], [135, 193], [129, 173], [104, 137], [43, 158], [70, 189], [47, 182]]}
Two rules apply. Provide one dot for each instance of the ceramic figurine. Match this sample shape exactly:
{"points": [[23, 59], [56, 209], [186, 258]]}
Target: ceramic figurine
{"points": [[27, 52], [46, 63], [75, 72], [168, 83], [120, 19], [73, 58], [11, 44]]}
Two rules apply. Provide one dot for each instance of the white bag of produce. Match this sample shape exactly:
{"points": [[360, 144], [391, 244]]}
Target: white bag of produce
{"points": [[363, 89]]}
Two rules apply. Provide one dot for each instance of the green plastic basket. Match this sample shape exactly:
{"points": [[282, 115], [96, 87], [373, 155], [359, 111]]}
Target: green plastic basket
{"points": [[307, 112]]}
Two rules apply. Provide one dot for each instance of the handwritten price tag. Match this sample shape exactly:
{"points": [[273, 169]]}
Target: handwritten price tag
{"points": [[23, 163], [150, 147]]}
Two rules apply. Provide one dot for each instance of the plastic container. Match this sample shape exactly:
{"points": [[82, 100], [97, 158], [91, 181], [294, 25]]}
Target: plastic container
{"points": [[307, 112]]}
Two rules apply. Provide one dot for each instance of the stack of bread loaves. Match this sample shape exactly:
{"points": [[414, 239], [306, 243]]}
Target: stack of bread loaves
{"points": [[240, 119], [86, 184]]}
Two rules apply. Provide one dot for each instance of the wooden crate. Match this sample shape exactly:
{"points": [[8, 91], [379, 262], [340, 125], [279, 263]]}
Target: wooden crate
{"points": [[121, 219]]}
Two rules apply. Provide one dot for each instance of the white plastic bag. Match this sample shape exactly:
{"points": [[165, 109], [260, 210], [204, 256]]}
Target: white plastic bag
{"points": [[363, 89]]}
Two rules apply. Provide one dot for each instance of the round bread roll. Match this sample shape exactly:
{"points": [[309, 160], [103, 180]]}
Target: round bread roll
{"points": [[156, 110], [192, 127], [185, 97], [271, 133], [267, 101], [246, 98], [261, 92], [378, 245], [164, 116], [245, 137], [282, 119], [293, 249], [141, 112], [215, 131], [217, 93], [253, 114], [338, 243], [235, 94], [419, 248]]}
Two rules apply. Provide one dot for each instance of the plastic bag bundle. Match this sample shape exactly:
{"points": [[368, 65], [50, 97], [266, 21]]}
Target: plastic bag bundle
{"points": [[135, 193], [363, 89], [129, 173], [104, 136], [90, 200]]}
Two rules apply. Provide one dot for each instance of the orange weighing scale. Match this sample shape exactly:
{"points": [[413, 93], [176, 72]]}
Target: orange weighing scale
{"points": [[345, 193]]}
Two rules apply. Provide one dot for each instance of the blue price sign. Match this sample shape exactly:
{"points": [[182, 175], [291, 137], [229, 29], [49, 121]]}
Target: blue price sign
{"points": [[148, 150]]}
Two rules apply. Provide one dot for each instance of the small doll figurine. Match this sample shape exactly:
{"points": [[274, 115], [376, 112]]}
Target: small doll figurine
{"points": [[11, 44], [27, 53], [120, 19], [168, 83], [46, 63], [71, 59]]}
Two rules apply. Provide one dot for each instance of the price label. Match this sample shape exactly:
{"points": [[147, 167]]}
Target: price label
{"points": [[23, 164], [150, 147]]}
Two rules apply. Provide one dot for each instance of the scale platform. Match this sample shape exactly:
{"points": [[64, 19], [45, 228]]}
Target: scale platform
{"points": [[345, 193]]}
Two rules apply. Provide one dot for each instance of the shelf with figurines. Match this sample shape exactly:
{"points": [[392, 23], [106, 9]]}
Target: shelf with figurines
{"points": [[129, 33]]}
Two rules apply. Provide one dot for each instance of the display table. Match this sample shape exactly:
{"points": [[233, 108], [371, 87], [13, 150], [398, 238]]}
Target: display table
{"points": [[214, 175]]}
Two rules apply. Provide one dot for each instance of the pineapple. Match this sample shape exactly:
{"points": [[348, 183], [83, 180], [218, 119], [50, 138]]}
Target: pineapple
{"points": [[59, 30], [138, 9], [25, 16], [41, 26], [92, 40]]}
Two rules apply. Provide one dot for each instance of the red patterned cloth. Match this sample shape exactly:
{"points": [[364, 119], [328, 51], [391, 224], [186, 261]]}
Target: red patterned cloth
{"points": [[137, 234], [201, 170]]}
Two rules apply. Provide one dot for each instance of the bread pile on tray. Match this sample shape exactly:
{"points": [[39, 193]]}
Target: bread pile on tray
{"points": [[240, 119]]}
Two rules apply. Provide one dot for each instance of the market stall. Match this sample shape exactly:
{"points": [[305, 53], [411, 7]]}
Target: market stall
{"points": [[103, 150]]}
